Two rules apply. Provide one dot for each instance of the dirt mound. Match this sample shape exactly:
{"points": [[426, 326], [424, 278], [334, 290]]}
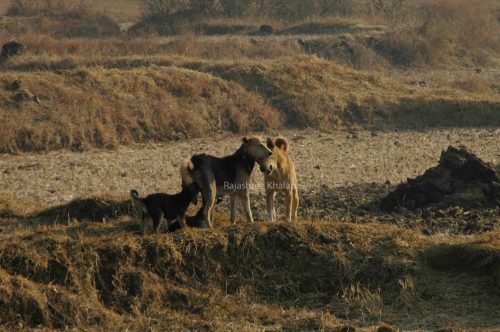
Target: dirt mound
{"points": [[345, 49], [165, 25], [318, 28], [460, 179], [214, 29], [137, 105], [67, 24], [57, 280]]}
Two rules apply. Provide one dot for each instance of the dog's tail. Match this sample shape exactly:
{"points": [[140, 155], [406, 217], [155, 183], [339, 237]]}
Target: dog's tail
{"points": [[186, 168], [137, 201], [281, 143]]}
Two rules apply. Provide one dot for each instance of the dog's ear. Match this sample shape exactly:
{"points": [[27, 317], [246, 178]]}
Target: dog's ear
{"points": [[245, 140], [270, 143]]}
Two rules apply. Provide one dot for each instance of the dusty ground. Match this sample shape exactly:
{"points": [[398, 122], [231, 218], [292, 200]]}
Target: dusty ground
{"points": [[323, 160]]}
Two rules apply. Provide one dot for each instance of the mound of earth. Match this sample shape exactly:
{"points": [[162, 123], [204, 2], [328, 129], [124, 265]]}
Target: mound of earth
{"points": [[460, 179], [345, 49], [66, 24]]}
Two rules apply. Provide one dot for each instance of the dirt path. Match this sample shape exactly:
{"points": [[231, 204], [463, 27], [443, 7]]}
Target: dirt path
{"points": [[322, 160]]}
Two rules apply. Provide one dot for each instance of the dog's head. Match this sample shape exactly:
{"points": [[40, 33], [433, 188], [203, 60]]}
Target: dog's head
{"points": [[258, 151], [272, 161]]}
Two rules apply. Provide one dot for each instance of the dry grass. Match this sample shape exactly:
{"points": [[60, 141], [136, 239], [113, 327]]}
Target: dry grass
{"points": [[137, 99], [79, 276], [104, 108], [120, 10]]}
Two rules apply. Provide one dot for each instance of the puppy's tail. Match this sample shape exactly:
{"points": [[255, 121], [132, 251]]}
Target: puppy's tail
{"points": [[186, 168], [137, 201], [282, 143]]}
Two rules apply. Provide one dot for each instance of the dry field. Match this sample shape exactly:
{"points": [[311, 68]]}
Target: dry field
{"points": [[323, 159], [367, 99]]}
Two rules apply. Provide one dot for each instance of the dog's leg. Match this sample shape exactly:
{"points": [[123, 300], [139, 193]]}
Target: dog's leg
{"points": [[181, 219], [245, 202], [209, 193], [295, 203], [232, 203], [144, 220], [288, 205], [209, 196], [270, 205], [157, 216]]}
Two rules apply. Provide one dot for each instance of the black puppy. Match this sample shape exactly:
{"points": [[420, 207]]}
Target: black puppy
{"points": [[158, 206], [195, 221]]}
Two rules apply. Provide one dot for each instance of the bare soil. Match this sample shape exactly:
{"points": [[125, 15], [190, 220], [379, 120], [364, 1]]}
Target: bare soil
{"points": [[323, 160]]}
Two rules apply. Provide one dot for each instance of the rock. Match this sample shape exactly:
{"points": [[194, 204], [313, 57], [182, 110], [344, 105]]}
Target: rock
{"points": [[266, 29], [11, 49], [14, 85], [25, 95], [426, 231]]}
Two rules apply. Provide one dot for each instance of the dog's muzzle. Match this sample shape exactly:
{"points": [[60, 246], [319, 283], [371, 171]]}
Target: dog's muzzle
{"points": [[265, 170]]}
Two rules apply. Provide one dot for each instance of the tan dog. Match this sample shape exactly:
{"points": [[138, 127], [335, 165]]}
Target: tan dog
{"points": [[281, 179]]}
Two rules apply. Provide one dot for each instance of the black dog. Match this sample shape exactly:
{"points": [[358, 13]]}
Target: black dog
{"points": [[158, 206]]}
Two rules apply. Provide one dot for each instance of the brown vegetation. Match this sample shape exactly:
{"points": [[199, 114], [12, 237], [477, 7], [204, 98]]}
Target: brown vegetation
{"points": [[58, 18], [103, 108], [142, 99], [79, 276]]}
